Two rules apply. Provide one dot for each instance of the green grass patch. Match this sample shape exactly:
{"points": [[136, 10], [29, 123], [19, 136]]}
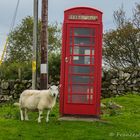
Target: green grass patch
{"points": [[124, 124]]}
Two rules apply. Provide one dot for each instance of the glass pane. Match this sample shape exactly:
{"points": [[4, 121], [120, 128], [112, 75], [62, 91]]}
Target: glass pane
{"points": [[70, 31], [69, 97], [70, 40], [81, 59], [79, 69], [69, 89], [82, 79], [92, 41], [82, 31], [82, 41], [70, 49], [92, 51], [80, 89], [81, 50], [76, 50], [92, 60], [93, 32], [80, 98]]}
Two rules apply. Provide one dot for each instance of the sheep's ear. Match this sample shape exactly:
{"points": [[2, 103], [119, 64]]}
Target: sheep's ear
{"points": [[49, 86], [58, 87]]}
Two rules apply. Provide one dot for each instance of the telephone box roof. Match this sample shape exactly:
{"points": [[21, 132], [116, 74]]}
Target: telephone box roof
{"points": [[89, 8]]}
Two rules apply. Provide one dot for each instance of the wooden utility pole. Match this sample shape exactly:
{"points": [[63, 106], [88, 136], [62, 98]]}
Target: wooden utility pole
{"points": [[44, 46], [35, 44]]}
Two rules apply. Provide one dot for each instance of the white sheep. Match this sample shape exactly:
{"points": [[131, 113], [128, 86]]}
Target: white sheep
{"points": [[37, 99]]}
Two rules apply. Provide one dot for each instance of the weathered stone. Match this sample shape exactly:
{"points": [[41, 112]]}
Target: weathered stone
{"points": [[11, 84], [120, 87], [28, 85], [4, 85], [112, 87], [5, 92], [4, 98], [113, 105], [25, 82], [132, 85], [122, 81], [15, 96], [127, 76], [16, 86], [136, 88], [129, 82], [134, 81], [18, 81], [121, 74], [103, 105], [115, 91], [138, 79], [114, 81], [128, 88]]}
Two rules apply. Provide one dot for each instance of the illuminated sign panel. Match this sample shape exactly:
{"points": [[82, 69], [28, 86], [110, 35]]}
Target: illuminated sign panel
{"points": [[82, 17]]}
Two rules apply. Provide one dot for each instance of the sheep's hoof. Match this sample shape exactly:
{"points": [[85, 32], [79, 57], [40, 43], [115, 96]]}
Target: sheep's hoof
{"points": [[39, 121], [26, 119]]}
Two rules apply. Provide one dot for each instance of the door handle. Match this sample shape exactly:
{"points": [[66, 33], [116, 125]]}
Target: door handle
{"points": [[66, 59]]}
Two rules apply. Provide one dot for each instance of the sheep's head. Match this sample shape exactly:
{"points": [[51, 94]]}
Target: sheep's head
{"points": [[54, 91]]}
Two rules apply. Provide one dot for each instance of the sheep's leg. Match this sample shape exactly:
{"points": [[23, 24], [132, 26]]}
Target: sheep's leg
{"points": [[21, 114], [47, 118], [26, 115], [40, 116]]}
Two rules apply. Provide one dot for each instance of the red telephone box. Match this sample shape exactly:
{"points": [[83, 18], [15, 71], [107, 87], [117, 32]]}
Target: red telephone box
{"points": [[80, 84]]}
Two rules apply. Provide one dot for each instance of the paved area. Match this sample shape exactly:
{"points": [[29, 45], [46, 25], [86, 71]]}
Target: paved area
{"points": [[86, 119]]}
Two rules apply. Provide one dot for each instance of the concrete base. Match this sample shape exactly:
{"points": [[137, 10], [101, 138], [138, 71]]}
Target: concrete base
{"points": [[85, 119]]}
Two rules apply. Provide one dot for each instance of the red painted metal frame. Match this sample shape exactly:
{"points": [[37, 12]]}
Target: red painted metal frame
{"points": [[94, 108]]}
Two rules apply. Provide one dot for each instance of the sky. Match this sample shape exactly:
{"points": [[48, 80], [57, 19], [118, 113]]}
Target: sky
{"points": [[56, 11]]}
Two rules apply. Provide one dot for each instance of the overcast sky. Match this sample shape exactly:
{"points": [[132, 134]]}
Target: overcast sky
{"points": [[56, 9]]}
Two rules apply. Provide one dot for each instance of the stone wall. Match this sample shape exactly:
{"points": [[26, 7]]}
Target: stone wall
{"points": [[11, 89], [114, 83]]}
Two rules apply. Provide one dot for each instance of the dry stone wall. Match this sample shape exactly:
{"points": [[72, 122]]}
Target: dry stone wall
{"points": [[114, 83], [11, 89]]}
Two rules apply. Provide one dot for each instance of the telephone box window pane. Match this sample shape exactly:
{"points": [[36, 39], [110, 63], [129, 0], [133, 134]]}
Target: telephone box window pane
{"points": [[90, 97], [82, 31], [71, 32], [93, 32], [92, 69], [92, 41], [70, 49], [80, 69], [80, 99], [91, 90], [82, 79], [81, 59], [80, 89], [76, 50], [82, 41], [70, 40], [92, 51], [69, 97], [69, 89], [82, 50], [92, 60]]}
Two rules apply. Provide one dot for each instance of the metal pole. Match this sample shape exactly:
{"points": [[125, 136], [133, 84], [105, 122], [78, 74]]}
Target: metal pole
{"points": [[35, 44], [44, 47]]}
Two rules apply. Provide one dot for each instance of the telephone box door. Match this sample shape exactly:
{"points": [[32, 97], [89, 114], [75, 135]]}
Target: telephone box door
{"points": [[80, 71]]}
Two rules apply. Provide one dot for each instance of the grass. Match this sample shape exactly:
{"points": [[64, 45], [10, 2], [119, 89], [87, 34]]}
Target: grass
{"points": [[124, 124]]}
